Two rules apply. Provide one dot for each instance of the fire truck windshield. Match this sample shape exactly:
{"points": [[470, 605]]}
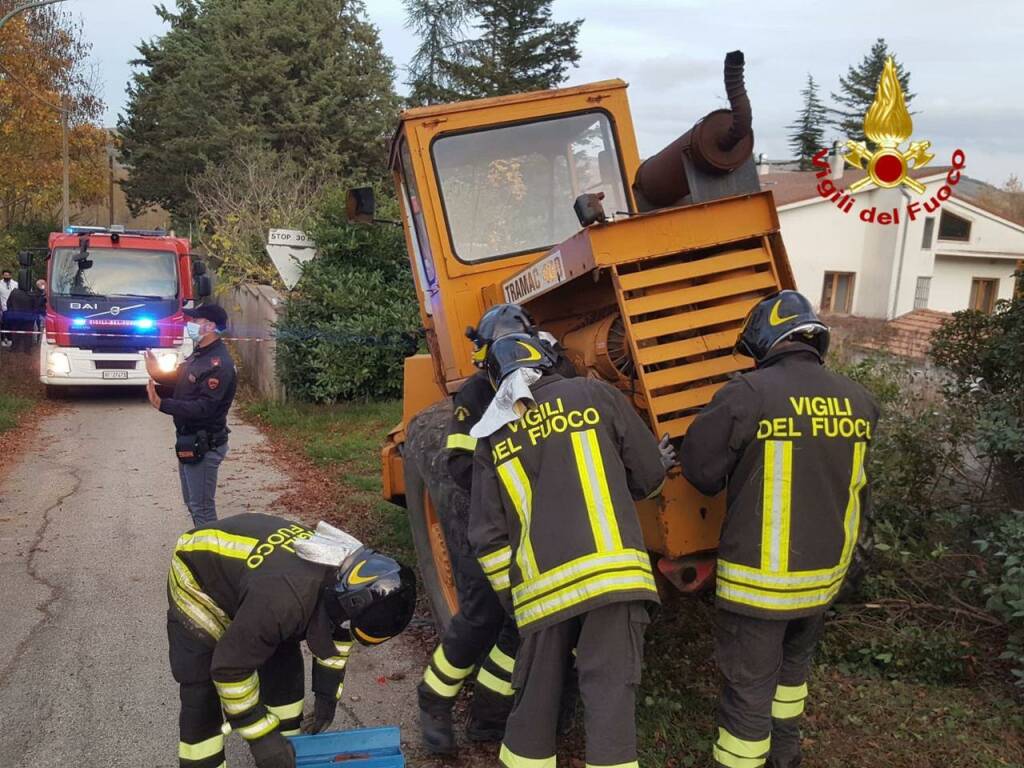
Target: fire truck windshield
{"points": [[511, 189], [115, 272]]}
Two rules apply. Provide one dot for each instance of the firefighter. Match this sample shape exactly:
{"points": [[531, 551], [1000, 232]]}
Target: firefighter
{"points": [[790, 441], [552, 518], [243, 593], [481, 626], [203, 392]]}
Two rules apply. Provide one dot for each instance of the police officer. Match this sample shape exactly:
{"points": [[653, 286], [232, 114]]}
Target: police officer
{"points": [[203, 392], [554, 524], [790, 441], [243, 593], [481, 626]]}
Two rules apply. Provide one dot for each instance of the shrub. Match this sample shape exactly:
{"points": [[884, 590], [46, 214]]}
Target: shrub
{"points": [[352, 320], [1003, 584]]}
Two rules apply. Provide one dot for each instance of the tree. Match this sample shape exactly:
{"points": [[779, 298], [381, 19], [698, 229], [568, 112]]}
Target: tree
{"points": [[44, 69], [305, 78], [520, 48], [1008, 200], [857, 91], [807, 134], [440, 25]]}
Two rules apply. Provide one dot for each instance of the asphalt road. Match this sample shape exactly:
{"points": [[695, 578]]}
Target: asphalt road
{"points": [[88, 518]]}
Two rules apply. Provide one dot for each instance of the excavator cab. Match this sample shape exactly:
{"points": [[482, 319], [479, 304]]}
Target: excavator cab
{"points": [[644, 272]]}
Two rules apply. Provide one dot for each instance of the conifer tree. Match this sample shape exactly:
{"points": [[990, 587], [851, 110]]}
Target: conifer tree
{"points": [[807, 134], [857, 91], [440, 26]]}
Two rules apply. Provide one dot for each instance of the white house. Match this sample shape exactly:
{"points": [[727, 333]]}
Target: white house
{"points": [[959, 256]]}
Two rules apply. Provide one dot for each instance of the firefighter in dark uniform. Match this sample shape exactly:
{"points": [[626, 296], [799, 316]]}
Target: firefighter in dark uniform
{"points": [[203, 392], [243, 593], [554, 524], [481, 626], [790, 442]]}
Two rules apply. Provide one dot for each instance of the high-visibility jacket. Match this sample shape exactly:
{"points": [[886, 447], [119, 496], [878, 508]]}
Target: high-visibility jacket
{"points": [[239, 586], [790, 440], [552, 516]]}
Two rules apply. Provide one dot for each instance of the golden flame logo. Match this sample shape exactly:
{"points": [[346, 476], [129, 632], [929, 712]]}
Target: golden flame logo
{"points": [[888, 124]]}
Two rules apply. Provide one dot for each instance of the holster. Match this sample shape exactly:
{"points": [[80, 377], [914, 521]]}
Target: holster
{"points": [[192, 448]]}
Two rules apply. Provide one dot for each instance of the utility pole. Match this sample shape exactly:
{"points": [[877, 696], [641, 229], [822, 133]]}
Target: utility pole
{"points": [[66, 207]]}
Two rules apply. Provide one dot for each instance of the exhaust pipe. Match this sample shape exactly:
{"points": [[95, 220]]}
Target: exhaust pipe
{"points": [[717, 144]]}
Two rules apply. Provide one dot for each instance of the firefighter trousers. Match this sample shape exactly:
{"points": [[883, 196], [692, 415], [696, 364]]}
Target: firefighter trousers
{"points": [[480, 627], [609, 643], [763, 665], [201, 740]]}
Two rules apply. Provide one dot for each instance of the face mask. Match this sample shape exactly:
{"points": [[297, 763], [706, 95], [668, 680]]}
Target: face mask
{"points": [[192, 329]]}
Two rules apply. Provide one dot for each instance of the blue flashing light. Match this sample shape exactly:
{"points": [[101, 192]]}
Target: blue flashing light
{"points": [[144, 323], [78, 322]]}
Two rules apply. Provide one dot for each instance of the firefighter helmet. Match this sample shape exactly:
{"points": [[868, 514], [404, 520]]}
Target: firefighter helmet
{"points": [[500, 320], [786, 315], [374, 593], [515, 351]]}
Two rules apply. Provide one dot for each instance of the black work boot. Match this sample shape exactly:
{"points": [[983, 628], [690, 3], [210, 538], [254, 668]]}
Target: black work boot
{"points": [[436, 723], [487, 715]]}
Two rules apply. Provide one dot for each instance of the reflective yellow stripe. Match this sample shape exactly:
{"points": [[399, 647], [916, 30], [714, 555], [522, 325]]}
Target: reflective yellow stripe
{"points": [[370, 639], [218, 542], [775, 510], [851, 521], [261, 727], [795, 580], [510, 759], [602, 584], [594, 483], [779, 601], [448, 669], [500, 581], [287, 711], [496, 560], [634, 764], [291, 732], [337, 694], [517, 485], [789, 701], [334, 662], [190, 599], [460, 442], [439, 686], [502, 659], [740, 753], [579, 568], [239, 697], [495, 683], [203, 749]]}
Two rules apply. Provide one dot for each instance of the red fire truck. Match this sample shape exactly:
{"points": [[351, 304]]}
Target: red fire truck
{"points": [[113, 294]]}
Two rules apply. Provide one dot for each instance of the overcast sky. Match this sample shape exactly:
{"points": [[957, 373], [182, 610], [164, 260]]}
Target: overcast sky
{"points": [[965, 60]]}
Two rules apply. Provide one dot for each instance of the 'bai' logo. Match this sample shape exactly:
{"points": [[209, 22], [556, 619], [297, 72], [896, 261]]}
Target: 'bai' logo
{"points": [[889, 126]]}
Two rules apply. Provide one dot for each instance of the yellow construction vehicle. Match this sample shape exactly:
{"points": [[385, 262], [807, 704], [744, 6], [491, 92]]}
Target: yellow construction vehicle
{"points": [[528, 199]]}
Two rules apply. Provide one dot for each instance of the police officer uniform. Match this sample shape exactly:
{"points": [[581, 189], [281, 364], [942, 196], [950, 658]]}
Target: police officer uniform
{"points": [[203, 393], [243, 594], [554, 524], [790, 441]]}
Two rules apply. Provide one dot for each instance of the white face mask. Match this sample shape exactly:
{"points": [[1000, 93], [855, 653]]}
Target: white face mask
{"points": [[192, 329]]}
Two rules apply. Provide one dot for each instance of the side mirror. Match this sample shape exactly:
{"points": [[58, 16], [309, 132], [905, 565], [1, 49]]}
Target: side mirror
{"points": [[204, 286], [25, 258], [360, 206], [198, 268]]}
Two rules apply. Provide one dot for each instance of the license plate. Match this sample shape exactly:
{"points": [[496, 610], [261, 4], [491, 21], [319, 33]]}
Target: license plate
{"points": [[115, 374]]}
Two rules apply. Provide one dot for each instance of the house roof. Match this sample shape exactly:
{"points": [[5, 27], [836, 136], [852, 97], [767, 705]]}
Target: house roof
{"points": [[909, 335]]}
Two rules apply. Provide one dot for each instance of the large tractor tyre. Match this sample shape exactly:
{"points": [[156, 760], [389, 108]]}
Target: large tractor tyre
{"points": [[438, 510]]}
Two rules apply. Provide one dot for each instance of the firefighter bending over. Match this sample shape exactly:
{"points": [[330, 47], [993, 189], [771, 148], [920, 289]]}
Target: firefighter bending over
{"points": [[481, 626], [243, 593], [559, 464], [790, 440]]}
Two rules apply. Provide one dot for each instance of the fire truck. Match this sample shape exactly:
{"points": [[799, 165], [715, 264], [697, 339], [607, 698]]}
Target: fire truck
{"points": [[112, 294]]}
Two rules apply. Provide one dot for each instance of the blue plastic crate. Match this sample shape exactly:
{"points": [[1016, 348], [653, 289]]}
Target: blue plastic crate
{"points": [[364, 748]]}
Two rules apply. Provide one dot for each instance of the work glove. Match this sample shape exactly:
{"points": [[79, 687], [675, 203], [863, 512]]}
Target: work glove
{"points": [[273, 751], [322, 715], [668, 453]]}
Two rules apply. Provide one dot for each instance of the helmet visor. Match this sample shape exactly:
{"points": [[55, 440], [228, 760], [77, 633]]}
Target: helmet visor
{"points": [[386, 618]]}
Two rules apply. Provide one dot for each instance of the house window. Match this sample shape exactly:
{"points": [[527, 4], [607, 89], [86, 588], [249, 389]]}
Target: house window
{"points": [[984, 291], [929, 231], [924, 287], [837, 293], [953, 227]]}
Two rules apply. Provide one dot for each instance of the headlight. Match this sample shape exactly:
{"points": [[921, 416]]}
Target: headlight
{"points": [[59, 363], [168, 361]]}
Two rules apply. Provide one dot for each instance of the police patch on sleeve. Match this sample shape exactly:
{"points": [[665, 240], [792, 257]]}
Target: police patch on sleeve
{"points": [[215, 362], [213, 383]]}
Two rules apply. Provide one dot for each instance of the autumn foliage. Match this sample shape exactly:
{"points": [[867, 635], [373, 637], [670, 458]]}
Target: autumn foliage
{"points": [[44, 69]]}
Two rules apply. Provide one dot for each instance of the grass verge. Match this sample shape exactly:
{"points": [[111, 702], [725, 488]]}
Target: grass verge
{"points": [[21, 400]]}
